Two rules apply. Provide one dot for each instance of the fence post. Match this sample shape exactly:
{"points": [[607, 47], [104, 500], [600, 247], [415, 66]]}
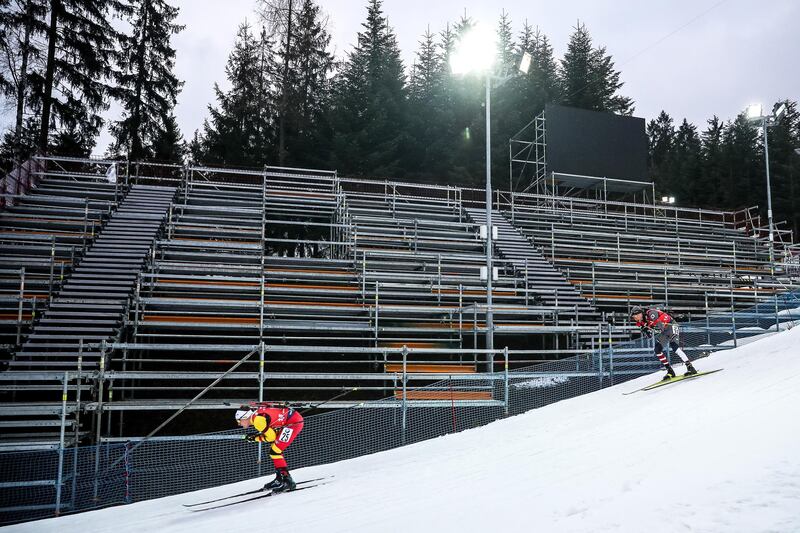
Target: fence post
{"points": [[708, 321], [78, 384], [405, 406], [600, 354], [733, 314], [777, 320], [99, 417], [60, 477], [610, 356], [505, 380]]}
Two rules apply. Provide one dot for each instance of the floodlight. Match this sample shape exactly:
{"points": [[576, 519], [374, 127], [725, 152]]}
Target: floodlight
{"points": [[525, 63], [672, 199], [475, 52], [780, 112], [665, 199], [753, 112]]}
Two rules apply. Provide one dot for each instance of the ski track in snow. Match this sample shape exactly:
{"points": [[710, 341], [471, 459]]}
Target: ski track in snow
{"points": [[715, 454]]}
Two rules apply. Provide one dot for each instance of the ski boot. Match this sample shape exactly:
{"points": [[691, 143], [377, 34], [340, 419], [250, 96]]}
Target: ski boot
{"points": [[690, 370], [283, 482], [670, 374]]}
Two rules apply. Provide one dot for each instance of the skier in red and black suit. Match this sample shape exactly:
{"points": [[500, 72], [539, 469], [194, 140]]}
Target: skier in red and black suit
{"points": [[667, 332], [278, 426]]}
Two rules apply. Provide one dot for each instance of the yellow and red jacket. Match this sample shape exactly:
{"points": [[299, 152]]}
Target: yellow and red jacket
{"points": [[268, 421]]}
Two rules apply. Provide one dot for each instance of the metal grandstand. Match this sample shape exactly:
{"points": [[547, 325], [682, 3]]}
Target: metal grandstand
{"points": [[121, 299]]}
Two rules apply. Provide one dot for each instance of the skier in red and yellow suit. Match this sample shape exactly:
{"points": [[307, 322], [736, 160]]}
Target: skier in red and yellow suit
{"points": [[277, 426], [652, 321]]}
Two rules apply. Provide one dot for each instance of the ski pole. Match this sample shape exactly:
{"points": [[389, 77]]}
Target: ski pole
{"points": [[317, 406], [182, 409]]}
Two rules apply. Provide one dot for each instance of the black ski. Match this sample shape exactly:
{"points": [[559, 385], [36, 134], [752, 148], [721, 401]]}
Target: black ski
{"points": [[259, 497], [249, 492]]}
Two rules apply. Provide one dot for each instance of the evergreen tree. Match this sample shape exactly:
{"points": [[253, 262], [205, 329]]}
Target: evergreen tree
{"points": [[369, 104], [784, 164], [506, 58], [280, 17], [168, 144], [742, 166], [588, 77], [541, 84], [73, 89], [146, 85], [687, 165], [426, 113], [239, 131], [661, 139], [711, 155], [308, 90]]}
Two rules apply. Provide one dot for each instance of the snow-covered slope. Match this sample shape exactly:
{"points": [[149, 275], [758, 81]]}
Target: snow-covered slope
{"points": [[719, 453]]}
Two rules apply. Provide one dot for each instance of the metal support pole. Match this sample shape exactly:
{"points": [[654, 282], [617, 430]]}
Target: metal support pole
{"points": [[21, 304], [52, 265], [260, 398], [99, 418], [439, 278], [610, 356], [733, 313], [60, 478], [600, 354], [405, 407], [505, 380], [460, 318], [77, 438], [85, 225], [377, 314], [489, 247], [769, 201], [526, 282], [708, 320]]}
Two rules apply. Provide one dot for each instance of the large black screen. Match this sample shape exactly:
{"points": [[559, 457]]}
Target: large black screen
{"points": [[592, 143]]}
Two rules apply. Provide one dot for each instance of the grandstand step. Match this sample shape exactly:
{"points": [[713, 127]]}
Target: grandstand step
{"points": [[442, 395], [101, 285], [417, 368]]}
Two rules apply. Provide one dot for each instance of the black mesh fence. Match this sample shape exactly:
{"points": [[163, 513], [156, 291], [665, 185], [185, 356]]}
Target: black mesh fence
{"points": [[35, 484]]}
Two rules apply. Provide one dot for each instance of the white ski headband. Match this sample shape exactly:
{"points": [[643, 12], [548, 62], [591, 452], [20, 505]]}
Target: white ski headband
{"points": [[243, 414]]}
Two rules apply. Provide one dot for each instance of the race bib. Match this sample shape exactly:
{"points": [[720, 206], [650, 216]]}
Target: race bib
{"points": [[285, 435]]}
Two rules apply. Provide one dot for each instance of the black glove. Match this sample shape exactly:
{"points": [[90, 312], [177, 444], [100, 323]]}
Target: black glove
{"points": [[647, 332], [249, 438]]}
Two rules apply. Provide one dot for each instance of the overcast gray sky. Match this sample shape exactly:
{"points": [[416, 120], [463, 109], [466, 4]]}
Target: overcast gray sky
{"points": [[694, 58]]}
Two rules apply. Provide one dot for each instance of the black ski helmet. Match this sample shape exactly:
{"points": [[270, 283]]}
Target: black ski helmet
{"points": [[636, 310]]}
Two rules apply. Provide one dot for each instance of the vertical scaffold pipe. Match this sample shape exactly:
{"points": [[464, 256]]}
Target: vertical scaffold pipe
{"points": [[405, 406], [60, 478]]}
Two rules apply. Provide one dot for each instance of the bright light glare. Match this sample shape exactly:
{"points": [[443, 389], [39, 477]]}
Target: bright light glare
{"points": [[672, 199], [525, 64], [665, 199], [753, 111], [475, 52]]}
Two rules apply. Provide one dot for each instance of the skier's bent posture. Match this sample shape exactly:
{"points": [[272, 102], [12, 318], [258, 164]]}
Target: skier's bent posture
{"points": [[278, 426], [667, 332]]}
